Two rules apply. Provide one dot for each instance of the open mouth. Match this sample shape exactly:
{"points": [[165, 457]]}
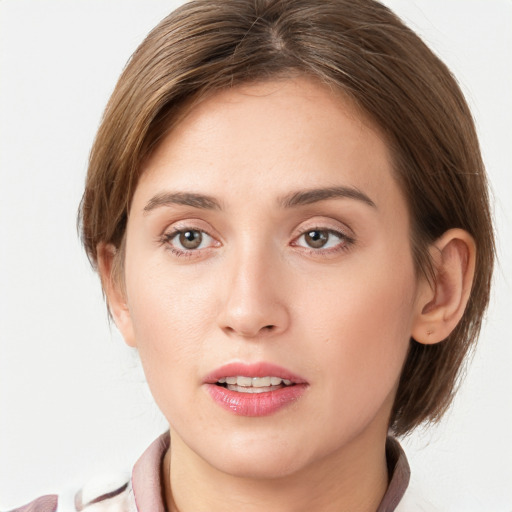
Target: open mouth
{"points": [[254, 389], [242, 384]]}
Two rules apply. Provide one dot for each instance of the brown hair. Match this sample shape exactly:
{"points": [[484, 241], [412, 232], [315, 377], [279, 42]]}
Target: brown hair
{"points": [[359, 47]]}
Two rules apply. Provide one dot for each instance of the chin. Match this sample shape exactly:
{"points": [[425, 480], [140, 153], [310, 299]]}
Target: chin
{"points": [[261, 467], [258, 458]]}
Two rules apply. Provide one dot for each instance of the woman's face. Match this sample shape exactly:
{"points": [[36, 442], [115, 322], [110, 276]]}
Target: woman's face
{"points": [[268, 238]]}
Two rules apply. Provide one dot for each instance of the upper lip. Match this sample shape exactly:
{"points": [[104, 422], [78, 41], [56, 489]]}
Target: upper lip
{"points": [[260, 369]]}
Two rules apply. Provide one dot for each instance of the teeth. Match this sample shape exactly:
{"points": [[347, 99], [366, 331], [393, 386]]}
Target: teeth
{"points": [[261, 382], [247, 383], [244, 381], [251, 390]]}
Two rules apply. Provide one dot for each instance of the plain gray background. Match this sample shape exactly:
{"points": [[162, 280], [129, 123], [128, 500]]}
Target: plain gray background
{"points": [[72, 397]]}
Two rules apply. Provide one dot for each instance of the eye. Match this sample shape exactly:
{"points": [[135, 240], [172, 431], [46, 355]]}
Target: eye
{"points": [[191, 239], [187, 240], [317, 239], [324, 239]]}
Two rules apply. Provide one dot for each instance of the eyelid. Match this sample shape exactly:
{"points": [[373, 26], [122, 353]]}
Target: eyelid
{"points": [[345, 235], [324, 224], [191, 223]]}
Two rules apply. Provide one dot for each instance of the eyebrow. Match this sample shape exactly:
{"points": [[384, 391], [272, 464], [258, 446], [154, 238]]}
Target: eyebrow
{"points": [[182, 198], [304, 197], [299, 198]]}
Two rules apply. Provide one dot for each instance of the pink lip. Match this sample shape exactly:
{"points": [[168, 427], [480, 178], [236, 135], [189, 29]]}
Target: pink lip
{"points": [[254, 404]]}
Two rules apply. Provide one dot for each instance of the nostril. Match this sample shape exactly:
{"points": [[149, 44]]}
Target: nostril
{"points": [[269, 327]]}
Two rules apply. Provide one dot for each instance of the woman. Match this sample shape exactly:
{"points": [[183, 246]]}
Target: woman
{"points": [[291, 236]]}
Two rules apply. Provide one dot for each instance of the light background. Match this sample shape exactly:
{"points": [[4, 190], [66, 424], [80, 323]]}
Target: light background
{"points": [[72, 397]]}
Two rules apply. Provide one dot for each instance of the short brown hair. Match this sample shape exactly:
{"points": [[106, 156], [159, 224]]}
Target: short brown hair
{"points": [[359, 47]]}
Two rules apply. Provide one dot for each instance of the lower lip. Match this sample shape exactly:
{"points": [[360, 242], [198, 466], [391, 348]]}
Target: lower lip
{"points": [[255, 404]]}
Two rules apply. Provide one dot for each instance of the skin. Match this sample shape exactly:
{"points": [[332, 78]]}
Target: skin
{"points": [[340, 316]]}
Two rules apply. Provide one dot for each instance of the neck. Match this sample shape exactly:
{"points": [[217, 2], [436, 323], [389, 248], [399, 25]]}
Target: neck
{"points": [[352, 479]]}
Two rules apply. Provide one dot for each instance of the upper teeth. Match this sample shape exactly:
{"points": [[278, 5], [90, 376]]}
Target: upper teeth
{"points": [[257, 382]]}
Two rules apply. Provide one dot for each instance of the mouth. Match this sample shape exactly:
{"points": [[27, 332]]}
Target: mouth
{"points": [[243, 384], [257, 389]]}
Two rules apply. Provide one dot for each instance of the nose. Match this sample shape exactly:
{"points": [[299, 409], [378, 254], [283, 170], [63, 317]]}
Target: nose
{"points": [[254, 304]]}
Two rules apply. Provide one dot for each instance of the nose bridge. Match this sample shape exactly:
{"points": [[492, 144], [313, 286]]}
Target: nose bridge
{"points": [[254, 303]]}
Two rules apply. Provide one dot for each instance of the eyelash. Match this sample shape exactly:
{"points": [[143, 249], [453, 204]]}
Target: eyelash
{"points": [[167, 239], [346, 242]]}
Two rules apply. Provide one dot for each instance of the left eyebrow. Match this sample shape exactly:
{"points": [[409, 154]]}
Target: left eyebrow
{"points": [[303, 197], [182, 198]]}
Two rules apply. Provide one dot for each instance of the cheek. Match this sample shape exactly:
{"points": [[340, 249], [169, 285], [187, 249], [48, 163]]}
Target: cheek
{"points": [[169, 317], [166, 305], [361, 330]]}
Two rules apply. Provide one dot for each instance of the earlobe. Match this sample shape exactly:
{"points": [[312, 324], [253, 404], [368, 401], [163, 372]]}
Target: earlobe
{"points": [[440, 305], [114, 291]]}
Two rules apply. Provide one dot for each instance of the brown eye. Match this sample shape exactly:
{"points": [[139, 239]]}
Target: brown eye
{"points": [[323, 241], [189, 242], [190, 239], [316, 238]]}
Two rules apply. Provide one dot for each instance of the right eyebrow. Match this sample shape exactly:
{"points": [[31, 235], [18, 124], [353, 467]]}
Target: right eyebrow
{"points": [[182, 198]]}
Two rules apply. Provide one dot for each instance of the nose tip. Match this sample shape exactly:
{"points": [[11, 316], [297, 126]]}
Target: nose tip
{"points": [[254, 306]]}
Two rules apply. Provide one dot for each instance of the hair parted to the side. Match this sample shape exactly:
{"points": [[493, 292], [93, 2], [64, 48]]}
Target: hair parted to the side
{"points": [[358, 47]]}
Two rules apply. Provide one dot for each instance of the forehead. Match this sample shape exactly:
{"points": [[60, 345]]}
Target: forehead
{"points": [[271, 137]]}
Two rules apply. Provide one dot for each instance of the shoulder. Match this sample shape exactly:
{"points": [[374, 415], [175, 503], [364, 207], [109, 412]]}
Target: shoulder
{"points": [[107, 493]]}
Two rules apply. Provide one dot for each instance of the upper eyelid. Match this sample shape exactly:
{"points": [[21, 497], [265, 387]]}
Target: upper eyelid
{"points": [[193, 225], [333, 226], [327, 230]]}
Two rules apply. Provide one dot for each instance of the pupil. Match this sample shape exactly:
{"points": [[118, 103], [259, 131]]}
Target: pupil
{"points": [[191, 239], [316, 238]]}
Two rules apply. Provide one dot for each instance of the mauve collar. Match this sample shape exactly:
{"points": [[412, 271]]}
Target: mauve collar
{"points": [[148, 486], [399, 476], [147, 481]]}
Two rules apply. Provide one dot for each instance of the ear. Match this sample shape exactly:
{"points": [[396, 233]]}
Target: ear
{"points": [[115, 290], [440, 305]]}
